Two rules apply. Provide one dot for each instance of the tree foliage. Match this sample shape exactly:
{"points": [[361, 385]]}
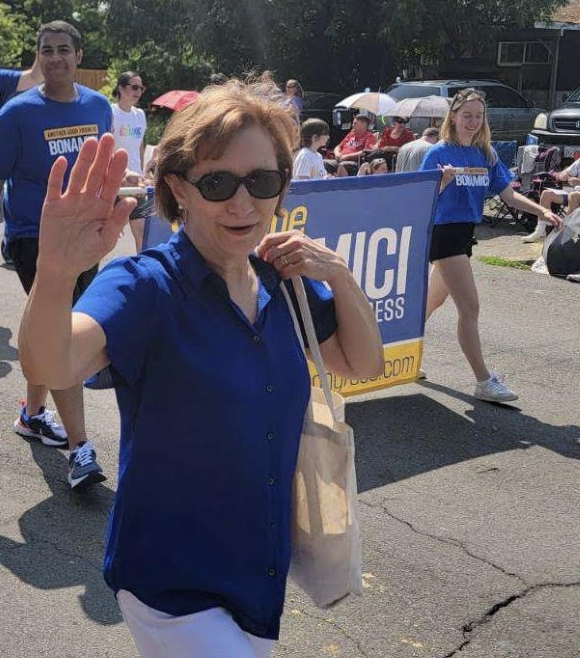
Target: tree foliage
{"points": [[12, 37], [327, 44], [445, 28]]}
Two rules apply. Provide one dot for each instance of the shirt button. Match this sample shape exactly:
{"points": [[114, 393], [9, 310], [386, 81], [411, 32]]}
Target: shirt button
{"points": [[256, 338], [269, 388], [271, 481], [270, 436], [271, 573]]}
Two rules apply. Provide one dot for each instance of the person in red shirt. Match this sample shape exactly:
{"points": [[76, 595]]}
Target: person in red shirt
{"points": [[352, 148], [391, 140]]}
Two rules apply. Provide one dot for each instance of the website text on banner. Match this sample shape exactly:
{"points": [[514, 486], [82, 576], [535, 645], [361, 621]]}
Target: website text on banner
{"points": [[381, 226]]}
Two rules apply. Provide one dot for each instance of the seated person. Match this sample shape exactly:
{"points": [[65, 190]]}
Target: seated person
{"points": [[352, 148], [411, 154], [377, 166], [308, 163], [570, 176], [391, 140]]}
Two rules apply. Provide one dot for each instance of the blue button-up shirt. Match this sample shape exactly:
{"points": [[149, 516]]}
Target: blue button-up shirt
{"points": [[211, 414]]}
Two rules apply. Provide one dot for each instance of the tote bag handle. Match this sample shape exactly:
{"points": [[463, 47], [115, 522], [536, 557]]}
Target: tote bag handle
{"points": [[306, 315]]}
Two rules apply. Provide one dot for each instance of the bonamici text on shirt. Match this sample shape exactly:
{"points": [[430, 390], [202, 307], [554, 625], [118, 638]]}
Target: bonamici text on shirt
{"points": [[69, 139], [472, 176]]}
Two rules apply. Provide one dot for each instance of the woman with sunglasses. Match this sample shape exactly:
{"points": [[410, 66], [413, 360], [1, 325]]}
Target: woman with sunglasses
{"points": [[129, 126], [471, 171], [211, 382], [390, 141]]}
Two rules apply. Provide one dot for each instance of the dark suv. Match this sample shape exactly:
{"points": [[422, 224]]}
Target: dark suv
{"points": [[319, 105], [561, 127], [510, 115]]}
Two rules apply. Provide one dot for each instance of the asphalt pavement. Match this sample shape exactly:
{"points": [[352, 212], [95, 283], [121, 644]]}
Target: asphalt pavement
{"points": [[470, 511]]}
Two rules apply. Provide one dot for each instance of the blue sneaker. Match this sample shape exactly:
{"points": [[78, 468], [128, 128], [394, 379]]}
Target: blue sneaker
{"points": [[41, 426], [83, 469]]}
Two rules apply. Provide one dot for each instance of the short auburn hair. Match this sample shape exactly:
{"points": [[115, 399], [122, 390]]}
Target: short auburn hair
{"points": [[204, 130]]}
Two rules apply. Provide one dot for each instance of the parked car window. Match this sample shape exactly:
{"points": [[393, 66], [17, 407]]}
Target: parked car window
{"points": [[314, 100], [398, 92], [574, 97], [505, 97], [497, 96]]}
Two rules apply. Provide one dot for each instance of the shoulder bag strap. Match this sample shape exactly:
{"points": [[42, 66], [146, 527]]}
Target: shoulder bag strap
{"points": [[306, 315]]}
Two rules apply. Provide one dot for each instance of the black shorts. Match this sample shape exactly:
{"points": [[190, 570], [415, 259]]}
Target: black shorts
{"points": [[332, 166], [451, 240], [24, 253]]}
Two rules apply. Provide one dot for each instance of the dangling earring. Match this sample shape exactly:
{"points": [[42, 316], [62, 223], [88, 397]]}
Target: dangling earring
{"points": [[184, 214]]}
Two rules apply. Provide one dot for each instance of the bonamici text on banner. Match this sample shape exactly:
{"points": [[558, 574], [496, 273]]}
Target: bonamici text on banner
{"points": [[381, 227]]}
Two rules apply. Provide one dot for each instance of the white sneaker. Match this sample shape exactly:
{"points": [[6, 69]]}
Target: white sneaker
{"points": [[538, 235], [494, 390]]}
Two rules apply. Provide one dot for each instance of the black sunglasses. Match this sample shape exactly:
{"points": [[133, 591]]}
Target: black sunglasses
{"points": [[222, 185], [135, 87], [400, 120]]}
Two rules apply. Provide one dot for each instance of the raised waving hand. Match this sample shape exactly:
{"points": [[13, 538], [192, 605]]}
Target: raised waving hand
{"points": [[81, 225]]}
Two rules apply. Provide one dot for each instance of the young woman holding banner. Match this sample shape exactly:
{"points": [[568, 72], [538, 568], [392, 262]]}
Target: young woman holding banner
{"points": [[213, 385], [471, 171]]}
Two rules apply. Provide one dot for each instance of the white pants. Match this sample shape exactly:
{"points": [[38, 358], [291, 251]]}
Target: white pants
{"points": [[208, 634]]}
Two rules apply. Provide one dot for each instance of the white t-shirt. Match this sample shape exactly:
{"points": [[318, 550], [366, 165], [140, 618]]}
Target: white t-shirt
{"points": [[308, 164], [574, 171], [129, 131]]}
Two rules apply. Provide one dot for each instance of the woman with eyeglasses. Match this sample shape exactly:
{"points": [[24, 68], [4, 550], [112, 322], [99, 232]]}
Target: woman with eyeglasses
{"points": [[471, 170], [129, 126], [211, 382]]}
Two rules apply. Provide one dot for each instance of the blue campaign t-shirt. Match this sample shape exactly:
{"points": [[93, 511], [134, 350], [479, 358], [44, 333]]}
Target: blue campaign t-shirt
{"points": [[211, 410], [34, 132], [8, 84], [462, 200]]}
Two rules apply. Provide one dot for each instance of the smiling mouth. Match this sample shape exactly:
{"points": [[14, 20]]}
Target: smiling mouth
{"points": [[240, 229]]}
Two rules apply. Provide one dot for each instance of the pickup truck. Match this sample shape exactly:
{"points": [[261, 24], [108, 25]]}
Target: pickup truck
{"points": [[561, 127]]}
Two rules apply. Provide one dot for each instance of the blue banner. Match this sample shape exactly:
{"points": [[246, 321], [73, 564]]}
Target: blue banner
{"points": [[381, 226]]}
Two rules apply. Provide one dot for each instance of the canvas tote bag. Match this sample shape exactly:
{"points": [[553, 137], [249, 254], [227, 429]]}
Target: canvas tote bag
{"points": [[326, 549]]}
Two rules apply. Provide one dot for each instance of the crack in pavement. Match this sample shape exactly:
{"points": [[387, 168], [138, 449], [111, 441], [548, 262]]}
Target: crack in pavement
{"points": [[446, 540], [338, 627], [472, 626], [469, 628]]}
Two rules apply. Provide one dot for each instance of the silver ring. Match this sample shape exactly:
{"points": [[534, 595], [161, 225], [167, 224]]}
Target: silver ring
{"points": [[284, 260]]}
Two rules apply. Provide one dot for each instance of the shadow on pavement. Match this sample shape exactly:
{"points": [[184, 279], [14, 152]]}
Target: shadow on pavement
{"points": [[7, 352], [399, 437], [63, 539]]}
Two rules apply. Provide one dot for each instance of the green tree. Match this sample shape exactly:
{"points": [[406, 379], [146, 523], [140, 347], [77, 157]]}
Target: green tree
{"points": [[153, 38], [13, 37], [447, 28]]}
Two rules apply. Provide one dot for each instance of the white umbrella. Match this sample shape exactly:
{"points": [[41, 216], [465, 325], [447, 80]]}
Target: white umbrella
{"points": [[425, 107], [372, 101]]}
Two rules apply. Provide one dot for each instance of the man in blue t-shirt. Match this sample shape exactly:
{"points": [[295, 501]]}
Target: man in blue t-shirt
{"points": [[12, 83], [36, 128], [15, 82]]}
